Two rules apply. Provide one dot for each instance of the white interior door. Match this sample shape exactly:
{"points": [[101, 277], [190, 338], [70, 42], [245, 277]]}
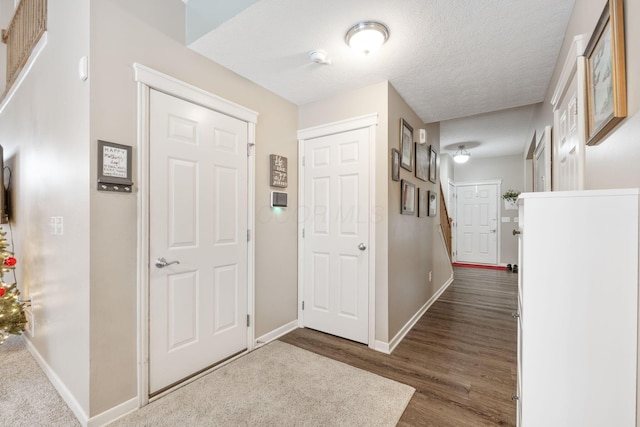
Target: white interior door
{"points": [[336, 234], [568, 161], [542, 162], [198, 217], [477, 224]]}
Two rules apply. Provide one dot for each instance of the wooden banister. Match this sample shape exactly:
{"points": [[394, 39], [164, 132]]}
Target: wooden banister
{"points": [[445, 223], [28, 24]]}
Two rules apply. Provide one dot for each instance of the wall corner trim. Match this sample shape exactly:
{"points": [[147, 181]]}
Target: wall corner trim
{"points": [[276, 333], [114, 413], [416, 317], [58, 384], [165, 83]]}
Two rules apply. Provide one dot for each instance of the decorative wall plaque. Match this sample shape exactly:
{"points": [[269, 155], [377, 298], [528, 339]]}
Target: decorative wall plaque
{"points": [[278, 171]]}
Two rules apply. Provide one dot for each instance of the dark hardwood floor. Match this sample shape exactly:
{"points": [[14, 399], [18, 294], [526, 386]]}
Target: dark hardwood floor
{"points": [[460, 357]]}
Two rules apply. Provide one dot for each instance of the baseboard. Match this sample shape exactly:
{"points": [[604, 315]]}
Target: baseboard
{"points": [[276, 333], [110, 415], [382, 347], [412, 322], [59, 385]]}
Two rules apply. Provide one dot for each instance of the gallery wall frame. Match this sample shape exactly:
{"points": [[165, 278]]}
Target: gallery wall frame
{"points": [[422, 203], [606, 75], [433, 165], [395, 164], [407, 198], [432, 202], [406, 145], [422, 161]]}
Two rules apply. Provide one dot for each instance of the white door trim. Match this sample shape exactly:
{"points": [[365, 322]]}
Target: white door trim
{"points": [[497, 182], [367, 121], [147, 79]]}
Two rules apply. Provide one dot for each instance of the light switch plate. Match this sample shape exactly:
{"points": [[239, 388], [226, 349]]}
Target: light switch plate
{"points": [[506, 219]]}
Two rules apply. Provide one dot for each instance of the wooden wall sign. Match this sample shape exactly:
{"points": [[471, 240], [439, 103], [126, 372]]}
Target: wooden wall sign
{"points": [[278, 171]]}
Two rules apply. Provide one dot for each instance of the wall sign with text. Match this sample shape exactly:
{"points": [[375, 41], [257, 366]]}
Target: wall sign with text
{"points": [[278, 170], [114, 167]]}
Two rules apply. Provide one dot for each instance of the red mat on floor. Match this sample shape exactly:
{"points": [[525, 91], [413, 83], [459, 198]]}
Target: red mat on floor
{"points": [[488, 267]]}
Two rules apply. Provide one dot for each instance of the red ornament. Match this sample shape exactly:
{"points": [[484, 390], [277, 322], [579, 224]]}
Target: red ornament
{"points": [[2, 291], [10, 262]]}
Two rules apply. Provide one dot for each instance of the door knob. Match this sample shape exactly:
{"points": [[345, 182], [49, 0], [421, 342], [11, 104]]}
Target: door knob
{"points": [[162, 263], [362, 246]]}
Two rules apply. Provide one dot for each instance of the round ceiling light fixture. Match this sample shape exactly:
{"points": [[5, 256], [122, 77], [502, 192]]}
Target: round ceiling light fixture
{"points": [[462, 155], [366, 37]]}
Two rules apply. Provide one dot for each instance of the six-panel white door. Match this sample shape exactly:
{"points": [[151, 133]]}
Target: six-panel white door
{"points": [[336, 226], [477, 224], [198, 217]]}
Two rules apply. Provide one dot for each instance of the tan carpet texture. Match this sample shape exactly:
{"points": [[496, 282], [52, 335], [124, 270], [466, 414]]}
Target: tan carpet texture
{"points": [[280, 385], [276, 385]]}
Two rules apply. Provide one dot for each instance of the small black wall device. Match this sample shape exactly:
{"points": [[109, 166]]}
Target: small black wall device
{"points": [[278, 199]]}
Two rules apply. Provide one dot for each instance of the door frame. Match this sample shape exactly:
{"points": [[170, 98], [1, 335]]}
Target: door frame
{"points": [[147, 79], [369, 121], [498, 184]]}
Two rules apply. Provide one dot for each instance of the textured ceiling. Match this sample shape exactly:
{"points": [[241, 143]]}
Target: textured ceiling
{"points": [[446, 58]]}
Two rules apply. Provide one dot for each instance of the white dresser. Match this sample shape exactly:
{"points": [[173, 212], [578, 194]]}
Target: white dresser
{"points": [[578, 308]]}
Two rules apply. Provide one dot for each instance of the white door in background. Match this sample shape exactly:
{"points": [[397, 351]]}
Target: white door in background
{"points": [[198, 217], [477, 223], [336, 234], [542, 162], [569, 123], [452, 206]]}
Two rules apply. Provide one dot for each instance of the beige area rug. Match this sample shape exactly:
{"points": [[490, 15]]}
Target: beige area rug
{"points": [[27, 398], [279, 385]]}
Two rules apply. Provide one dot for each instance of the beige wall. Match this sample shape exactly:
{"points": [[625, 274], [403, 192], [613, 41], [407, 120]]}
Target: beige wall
{"points": [[124, 32], [367, 100], [509, 170], [45, 134], [614, 162], [412, 240]]}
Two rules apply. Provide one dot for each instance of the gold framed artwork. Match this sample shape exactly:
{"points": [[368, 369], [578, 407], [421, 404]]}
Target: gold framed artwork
{"points": [[406, 145], [606, 77]]}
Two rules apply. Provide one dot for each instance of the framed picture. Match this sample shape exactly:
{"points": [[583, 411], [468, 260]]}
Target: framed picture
{"points": [[395, 164], [406, 145], [114, 167], [407, 198], [422, 161], [422, 203], [433, 203], [433, 165], [606, 78]]}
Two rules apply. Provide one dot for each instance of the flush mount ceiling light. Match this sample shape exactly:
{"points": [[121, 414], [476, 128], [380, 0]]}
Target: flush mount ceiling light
{"points": [[462, 155], [367, 36]]}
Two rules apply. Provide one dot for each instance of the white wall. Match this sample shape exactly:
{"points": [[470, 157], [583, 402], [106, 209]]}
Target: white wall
{"points": [[45, 134], [509, 170]]}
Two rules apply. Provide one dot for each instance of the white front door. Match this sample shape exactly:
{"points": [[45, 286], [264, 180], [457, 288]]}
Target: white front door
{"points": [[477, 224], [336, 234], [198, 224]]}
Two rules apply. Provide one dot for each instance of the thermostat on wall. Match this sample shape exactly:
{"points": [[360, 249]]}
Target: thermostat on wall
{"points": [[278, 199]]}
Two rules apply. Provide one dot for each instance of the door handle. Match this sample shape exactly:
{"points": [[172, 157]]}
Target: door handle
{"points": [[362, 246], [516, 232], [492, 231], [162, 263]]}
